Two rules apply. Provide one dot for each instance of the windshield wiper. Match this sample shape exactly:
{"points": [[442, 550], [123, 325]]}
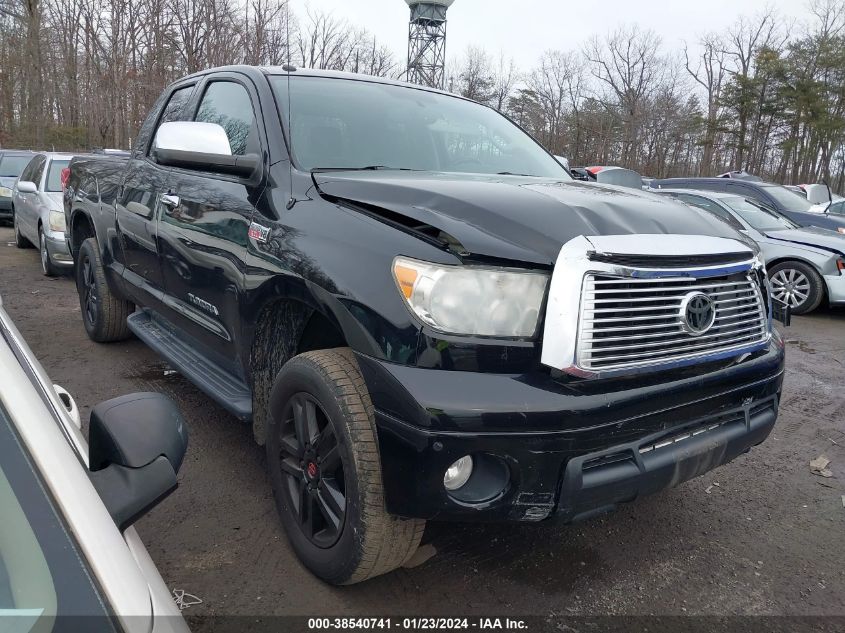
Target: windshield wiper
{"points": [[366, 168], [510, 173]]}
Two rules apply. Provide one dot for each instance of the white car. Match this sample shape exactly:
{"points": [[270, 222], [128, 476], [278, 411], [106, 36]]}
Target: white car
{"points": [[38, 216], [837, 206], [69, 558]]}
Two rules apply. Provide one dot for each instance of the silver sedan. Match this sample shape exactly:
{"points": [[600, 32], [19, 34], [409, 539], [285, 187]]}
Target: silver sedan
{"points": [[806, 265], [38, 215]]}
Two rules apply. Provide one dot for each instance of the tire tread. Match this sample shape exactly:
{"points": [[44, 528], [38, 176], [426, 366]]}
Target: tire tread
{"points": [[387, 541], [112, 325]]}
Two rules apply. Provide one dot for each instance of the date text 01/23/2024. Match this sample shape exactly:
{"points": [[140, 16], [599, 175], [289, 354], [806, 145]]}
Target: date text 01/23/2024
{"points": [[416, 624]]}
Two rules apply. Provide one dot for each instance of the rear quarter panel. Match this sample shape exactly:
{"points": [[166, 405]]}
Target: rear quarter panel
{"points": [[92, 189]]}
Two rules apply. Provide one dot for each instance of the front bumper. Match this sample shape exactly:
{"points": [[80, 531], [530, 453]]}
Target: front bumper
{"points": [[6, 208], [835, 289], [57, 249], [562, 449]]}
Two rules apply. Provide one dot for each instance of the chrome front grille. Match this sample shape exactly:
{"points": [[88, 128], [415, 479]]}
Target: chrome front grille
{"points": [[628, 322]]}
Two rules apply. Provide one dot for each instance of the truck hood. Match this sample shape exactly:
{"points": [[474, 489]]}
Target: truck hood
{"points": [[513, 217], [812, 236]]}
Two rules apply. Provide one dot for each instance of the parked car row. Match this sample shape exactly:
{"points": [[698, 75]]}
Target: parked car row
{"points": [[31, 185], [12, 163], [804, 251], [805, 264]]}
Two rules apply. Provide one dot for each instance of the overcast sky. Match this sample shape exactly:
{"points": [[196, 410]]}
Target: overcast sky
{"points": [[523, 29]]}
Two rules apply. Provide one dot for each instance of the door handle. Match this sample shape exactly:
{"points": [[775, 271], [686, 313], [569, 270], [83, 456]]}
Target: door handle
{"points": [[170, 201]]}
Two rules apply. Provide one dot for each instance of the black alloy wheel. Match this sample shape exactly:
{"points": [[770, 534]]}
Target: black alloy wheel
{"points": [[310, 459], [90, 301], [103, 314]]}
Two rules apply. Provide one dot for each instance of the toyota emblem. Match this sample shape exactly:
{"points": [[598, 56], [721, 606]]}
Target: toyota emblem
{"points": [[697, 313]]}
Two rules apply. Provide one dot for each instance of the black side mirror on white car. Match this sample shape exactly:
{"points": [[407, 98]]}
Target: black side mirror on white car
{"points": [[136, 446]]}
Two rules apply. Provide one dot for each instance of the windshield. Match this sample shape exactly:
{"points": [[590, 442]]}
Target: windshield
{"points": [[789, 200], [341, 123], [45, 586], [54, 175], [758, 217], [11, 165]]}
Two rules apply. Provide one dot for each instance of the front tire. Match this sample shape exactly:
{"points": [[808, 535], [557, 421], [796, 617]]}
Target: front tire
{"points": [[325, 469], [798, 285], [103, 314], [47, 266], [20, 240]]}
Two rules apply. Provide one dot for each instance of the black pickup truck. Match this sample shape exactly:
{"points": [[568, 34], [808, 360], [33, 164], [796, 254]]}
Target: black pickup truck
{"points": [[416, 308]]}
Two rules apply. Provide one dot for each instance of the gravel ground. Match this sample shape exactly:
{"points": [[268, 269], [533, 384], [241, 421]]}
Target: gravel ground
{"points": [[760, 536]]}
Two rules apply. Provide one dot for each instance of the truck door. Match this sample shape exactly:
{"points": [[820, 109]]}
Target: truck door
{"points": [[137, 209], [203, 230]]}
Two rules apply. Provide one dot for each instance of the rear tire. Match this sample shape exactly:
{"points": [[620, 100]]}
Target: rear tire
{"points": [[797, 284], [325, 469], [47, 266], [20, 240], [103, 314]]}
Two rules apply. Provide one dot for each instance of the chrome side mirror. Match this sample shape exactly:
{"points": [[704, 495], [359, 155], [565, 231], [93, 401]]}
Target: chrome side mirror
{"points": [[25, 186], [200, 146], [192, 136]]}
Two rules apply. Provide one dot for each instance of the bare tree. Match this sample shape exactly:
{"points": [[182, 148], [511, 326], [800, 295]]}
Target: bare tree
{"points": [[627, 62], [475, 76], [504, 79]]}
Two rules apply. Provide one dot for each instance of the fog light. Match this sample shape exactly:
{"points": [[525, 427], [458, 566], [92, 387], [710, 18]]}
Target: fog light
{"points": [[458, 473]]}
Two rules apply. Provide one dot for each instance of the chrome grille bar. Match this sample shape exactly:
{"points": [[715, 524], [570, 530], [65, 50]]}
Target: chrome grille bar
{"points": [[627, 322]]}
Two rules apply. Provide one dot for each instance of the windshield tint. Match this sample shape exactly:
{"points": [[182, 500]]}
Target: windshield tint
{"points": [[11, 165], [340, 123], [44, 583], [789, 200], [54, 174], [759, 217]]}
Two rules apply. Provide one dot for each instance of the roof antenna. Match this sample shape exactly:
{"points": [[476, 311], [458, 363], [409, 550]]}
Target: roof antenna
{"points": [[288, 68]]}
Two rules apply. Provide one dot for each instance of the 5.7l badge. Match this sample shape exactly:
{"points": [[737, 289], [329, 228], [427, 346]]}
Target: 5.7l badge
{"points": [[259, 233]]}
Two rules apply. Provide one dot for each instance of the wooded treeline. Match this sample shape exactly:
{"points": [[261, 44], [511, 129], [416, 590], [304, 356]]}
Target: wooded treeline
{"points": [[765, 95]]}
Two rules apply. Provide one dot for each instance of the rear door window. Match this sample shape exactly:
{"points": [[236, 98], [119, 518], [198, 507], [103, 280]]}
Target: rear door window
{"points": [[38, 170], [54, 174], [26, 174]]}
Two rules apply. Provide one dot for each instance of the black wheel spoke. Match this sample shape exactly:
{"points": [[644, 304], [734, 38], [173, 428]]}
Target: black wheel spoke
{"points": [[291, 467], [311, 463], [330, 459], [308, 503], [325, 439], [312, 429], [332, 498], [303, 500], [290, 446], [301, 422], [332, 519]]}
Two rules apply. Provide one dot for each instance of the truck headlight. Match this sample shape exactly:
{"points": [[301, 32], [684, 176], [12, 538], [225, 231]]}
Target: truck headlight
{"points": [[472, 300], [5, 192], [57, 221]]}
